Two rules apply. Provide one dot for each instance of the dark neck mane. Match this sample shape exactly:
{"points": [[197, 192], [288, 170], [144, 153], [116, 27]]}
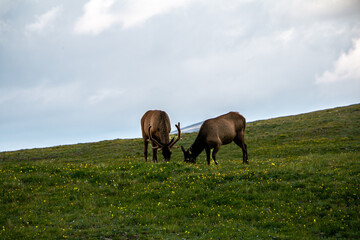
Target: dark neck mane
{"points": [[197, 147]]}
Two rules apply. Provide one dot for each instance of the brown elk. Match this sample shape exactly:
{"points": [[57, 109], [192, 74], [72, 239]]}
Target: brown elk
{"points": [[155, 127], [216, 132]]}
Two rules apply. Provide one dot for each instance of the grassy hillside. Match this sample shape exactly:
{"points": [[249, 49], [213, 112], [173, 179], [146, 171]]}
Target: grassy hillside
{"points": [[302, 183]]}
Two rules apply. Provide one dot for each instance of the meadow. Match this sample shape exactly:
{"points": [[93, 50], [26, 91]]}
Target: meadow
{"points": [[302, 182]]}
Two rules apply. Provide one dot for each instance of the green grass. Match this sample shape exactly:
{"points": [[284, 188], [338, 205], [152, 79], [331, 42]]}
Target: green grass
{"points": [[302, 182]]}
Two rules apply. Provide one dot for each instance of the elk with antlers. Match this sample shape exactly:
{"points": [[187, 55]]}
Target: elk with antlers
{"points": [[155, 127]]}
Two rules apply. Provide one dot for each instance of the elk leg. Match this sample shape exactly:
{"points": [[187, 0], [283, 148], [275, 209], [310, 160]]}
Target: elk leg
{"points": [[155, 154], [241, 143], [216, 149], [207, 149], [245, 154], [146, 143]]}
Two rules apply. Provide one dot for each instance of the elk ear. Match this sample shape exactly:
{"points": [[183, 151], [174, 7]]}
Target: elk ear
{"points": [[182, 148]]}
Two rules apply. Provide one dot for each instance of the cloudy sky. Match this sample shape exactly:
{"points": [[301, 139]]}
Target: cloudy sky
{"points": [[83, 71]]}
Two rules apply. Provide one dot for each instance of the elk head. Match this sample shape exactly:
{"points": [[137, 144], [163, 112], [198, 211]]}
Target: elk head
{"points": [[165, 148], [188, 155]]}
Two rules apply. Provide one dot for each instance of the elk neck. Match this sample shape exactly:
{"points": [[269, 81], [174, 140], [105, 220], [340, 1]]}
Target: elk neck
{"points": [[197, 147]]}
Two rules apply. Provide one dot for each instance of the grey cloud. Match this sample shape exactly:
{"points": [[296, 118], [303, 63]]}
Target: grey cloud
{"points": [[195, 62]]}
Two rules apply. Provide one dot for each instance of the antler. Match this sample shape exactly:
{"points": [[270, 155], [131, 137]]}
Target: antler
{"points": [[154, 140], [172, 143]]}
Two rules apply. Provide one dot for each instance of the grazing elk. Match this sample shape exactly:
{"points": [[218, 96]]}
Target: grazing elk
{"points": [[155, 127], [216, 132]]}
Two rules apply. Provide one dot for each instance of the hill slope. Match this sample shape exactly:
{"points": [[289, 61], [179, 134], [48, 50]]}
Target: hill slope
{"points": [[190, 129], [302, 183]]}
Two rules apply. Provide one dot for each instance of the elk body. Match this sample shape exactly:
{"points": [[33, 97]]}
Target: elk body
{"points": [[155, 127], [216, 132]]}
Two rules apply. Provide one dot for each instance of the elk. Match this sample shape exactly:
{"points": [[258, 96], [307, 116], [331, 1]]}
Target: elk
{"points": [[155, 127], [215, 132]]}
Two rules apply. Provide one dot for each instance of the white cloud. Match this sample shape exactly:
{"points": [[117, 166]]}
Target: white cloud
{"points": [[44, 20], [100, 15], [43, 95], [97, 17], [286, 36], [315, 9], [328, 8], [4, 28], [346, 67], [105, 94], [137, 12]]}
